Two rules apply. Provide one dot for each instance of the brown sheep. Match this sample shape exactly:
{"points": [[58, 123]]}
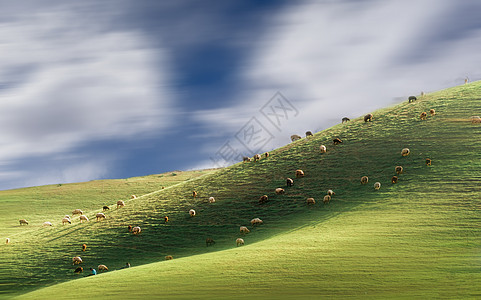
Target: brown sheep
{"points": [[257, 157], [326, 199], [244, 230], [77, 211], [105, 208], [266, 154], [83, 218], [133, 197], [310, 201], [289, 182], [475, 119], [120, 204], [78, 270], [432, 112], [377, 185], [100, 216], [308, 133], [337, 141], [295, 137], [428, 161], [169, 257], [323, 149], [130, 228], [394, 179], [423, 115], [23, 222], [102, 268], [399, 169], [299, 173], [166, 219], [364, 179], [263, 199], [368, 118], [194, 194], [280, 191], [84, 247], [209, 242], [239, 242], [405, 152], [246, 159], [136, 230], [7, 241]]}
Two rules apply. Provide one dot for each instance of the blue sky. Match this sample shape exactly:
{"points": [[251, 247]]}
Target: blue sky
{"points": [[115, 89]]}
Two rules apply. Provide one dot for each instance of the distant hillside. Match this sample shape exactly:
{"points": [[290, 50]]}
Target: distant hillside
{"points": [[416, 238]]}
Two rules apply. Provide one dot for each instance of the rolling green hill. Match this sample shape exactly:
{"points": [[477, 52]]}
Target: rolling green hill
{"points": [[417, 238]]}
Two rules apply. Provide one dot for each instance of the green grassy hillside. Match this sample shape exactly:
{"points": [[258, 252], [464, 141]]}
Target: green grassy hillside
{"points": [[417, 238]]}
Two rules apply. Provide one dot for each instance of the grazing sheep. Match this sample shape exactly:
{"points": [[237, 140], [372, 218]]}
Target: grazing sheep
{"points": [[239, 242], [7, 241], [289, 182], [257, 157], [166, 219], [47, 224], [377, 185], [130, 228], [295, 137], [194, 194], [100, 216], [428, 161], [209, 242], [405, 152], [308, 133], [246, 159], [77, 212], [102, 268], [364, 179], [337, 141], [326, 199], [330, 192], [83, 218], [280, 191], [105, 208], [310, 201], [256, 221], [368, 118], [345, 119], [133, 197], [323, 149], [84, 247], [263, 199], [136, 230], [169, 257], [192, 212], [77, 260], [475, 119], [79, 270], [211, 200], [67, 216], [423, 115], [120, 204], [432, 112], [299, 173], [412, 99], [398, 169], [23, 221], [394, 179], [266, 154], [66, 220], [244, 230]]}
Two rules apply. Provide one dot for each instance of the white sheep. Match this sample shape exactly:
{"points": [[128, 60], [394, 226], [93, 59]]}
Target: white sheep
{"points": [[120, 203], [310, 201], [377, 185], [77, 260], [133, 197], [405, 152], [100, 216], [47, 224], [192, 212], [136, 230], [66, 220], [244, 229], [280, 191], [102, 268], [77, 211], [330, 192], [239, 242], [83, 218], [7, 241], [67, 216], [211, 199], [326, 199], [256, 221], [323, 149]]}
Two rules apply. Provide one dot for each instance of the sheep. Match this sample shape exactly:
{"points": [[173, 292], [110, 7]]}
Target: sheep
{"points": [[105, 208], [423, 94], [308, 133], [166, 219], [368, 118], [256, 221], [76, 260], [345, 119], [299, 173], [405, 152], [102, 268], [428, 161], [399, 170], [394, 179], [423, 115], [120, 204], [412, 99], [330, 192], [337, 141], [83, 218], [246, 159], [133, 197], [289, 182], [377, 185], [23, 221], [266, 154], [466, 80], [194, 194], [209, 242], [211, 200], [295, 137], [323, 149], [79, 270], [67, 216], [263, 199], [7, 241], [47, 224], [257, 157], [100, 216], [244, 230], [432, 112], [66, 220], [239, 242], [169, 257], [129, 228], [192, 213], [77, 211], [326, 199], [475, 119], [364, 179], [84, 247], [136, 230], [280, 191], [310, 201]]}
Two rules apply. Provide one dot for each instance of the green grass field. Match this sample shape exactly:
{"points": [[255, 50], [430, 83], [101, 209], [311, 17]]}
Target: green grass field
{"points": [[418, 238]]}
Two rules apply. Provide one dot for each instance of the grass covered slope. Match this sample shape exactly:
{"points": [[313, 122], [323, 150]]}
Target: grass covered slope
{"points": [[419, 237]]}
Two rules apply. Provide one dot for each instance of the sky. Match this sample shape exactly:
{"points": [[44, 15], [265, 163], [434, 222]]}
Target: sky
{"points": [[100, 89]]}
